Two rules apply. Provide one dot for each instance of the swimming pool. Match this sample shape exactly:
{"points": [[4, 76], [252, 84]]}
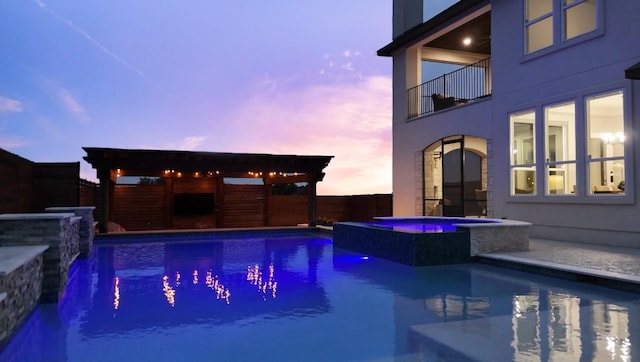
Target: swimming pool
{"points": [[292, 296]]}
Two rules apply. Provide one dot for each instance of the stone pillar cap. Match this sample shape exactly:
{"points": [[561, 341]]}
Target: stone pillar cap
{"points": [[37, 216]]}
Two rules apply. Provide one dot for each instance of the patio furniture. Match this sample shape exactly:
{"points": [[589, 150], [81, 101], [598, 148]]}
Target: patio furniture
{"points": [[441, 102]]}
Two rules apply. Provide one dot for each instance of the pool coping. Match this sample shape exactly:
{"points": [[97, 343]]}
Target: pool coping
{"points": [[613, 280], [151, 235], [13, 257], [482, 222]]}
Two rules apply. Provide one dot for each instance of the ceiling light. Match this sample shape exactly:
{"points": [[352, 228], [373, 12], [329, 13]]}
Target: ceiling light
{"points": [[466, 41]]}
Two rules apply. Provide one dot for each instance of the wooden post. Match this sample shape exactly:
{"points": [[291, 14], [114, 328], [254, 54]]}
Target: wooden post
{"points": [[168, 202], [311, 192], [104, 175], [267, 201]]}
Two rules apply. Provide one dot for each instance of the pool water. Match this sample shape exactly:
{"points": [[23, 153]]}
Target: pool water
{"points": [[293, 297], [423, 225]]}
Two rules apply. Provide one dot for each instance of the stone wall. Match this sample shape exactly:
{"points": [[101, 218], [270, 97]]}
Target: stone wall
{"points": [[58, 231], [86, 226], [505, 236], [21, 285]]}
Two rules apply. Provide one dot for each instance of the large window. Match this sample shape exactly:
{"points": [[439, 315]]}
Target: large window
{"points": [[523, 173], [560, 148], [596, 122], [605, 122], [552, 22]]}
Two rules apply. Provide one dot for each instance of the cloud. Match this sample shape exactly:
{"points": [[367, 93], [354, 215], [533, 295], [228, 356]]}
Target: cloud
{"points": [[97, 44], [74, 107], [349, 120], [9, 105], [191, 143], [10, 143]]}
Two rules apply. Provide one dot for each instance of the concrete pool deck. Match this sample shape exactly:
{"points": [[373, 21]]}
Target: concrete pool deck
{"points": [[610, 266]]}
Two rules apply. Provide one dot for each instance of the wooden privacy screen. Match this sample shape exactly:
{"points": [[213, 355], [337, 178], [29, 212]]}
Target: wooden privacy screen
{"points": [[149, 207]]}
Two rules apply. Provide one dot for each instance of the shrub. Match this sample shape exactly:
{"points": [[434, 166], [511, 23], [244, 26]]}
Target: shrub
{"points": [[325, 221]]}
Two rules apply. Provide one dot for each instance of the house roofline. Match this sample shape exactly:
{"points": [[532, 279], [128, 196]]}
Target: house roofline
{"points": [[418, 31], [633, 72]]}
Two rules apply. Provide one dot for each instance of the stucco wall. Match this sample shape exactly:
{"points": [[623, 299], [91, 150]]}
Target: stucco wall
{"points": [[412, 137], [568, 72], [565, 74]]}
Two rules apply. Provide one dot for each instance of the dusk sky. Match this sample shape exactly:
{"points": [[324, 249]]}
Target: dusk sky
{"points": [[278, 76]]}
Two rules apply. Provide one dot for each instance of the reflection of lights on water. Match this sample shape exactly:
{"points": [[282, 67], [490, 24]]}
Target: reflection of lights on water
{"points": [[624, 345], [625, 350], [116, 293], [254, 276], [221, 292], [210, 281], [517, 310], [168, 291]]}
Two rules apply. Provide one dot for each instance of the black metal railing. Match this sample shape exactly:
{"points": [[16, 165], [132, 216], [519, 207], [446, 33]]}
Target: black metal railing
{"points": [[458, 87]]}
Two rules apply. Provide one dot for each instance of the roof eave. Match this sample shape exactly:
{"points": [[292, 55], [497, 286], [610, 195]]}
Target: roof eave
{"points": [[633, 72], [417, 31]]}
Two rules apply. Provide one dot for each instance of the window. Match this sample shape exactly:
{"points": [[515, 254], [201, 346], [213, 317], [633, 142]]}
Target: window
{"points": [[579, 17], [585, 145], [560, 148], [552, 22], [539, 24], [523, 174], [606, 138]]}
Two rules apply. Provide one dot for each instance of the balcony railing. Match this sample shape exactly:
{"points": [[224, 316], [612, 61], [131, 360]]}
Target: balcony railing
{"points": [[458, 87]]}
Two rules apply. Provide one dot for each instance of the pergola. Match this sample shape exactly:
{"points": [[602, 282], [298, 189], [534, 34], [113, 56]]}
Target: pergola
{"points": [[111, 163]]}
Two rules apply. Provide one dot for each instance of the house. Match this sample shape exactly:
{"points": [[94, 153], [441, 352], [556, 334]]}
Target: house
{"points": [[537, 122]]}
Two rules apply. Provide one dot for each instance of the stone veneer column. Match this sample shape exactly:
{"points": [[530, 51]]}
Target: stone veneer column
{"points": [[86, 226], [57, 230], [21, 274]]}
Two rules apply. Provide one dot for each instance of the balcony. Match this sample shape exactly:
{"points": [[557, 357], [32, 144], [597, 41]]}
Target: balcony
{"points": [[462, 86]]}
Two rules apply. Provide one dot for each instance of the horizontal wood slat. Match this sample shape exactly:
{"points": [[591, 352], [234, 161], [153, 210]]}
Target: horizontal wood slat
{"points": [[288, 210], [139, 207], [243, 206]]}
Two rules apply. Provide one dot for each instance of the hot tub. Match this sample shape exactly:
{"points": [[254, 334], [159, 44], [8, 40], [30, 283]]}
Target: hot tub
{"points": [[421, 241]]}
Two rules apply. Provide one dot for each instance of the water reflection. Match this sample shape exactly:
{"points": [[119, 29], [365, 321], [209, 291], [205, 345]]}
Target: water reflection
{"points": [[546, 324], [116, 293], [219, 276], [478, 312], [270, 285], [168, 291]]}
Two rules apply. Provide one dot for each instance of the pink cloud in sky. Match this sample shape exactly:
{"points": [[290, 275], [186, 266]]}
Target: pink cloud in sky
{"points": [[9, 143], [348, 120], [71, 104], [191, 143], [9, 105]]}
